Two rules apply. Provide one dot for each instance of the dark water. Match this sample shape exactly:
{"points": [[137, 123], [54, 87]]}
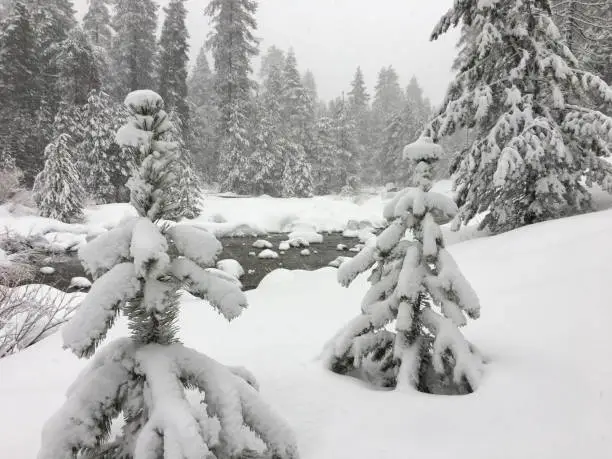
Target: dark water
{"points": [[68, 265]]}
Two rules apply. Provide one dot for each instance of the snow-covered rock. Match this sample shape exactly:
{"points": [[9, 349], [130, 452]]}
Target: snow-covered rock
{"points": [[47, 270], [267, 254], [341, 247], [284, 246], [305, 252], [338, 261], [262, 244], [231, 267], [311, 237], [298, 242], [80, 283], [65, 242]]}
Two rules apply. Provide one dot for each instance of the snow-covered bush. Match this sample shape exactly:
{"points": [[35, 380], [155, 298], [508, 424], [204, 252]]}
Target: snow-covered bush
{"points": [[28, 313], [138, 268], [417, 285]]}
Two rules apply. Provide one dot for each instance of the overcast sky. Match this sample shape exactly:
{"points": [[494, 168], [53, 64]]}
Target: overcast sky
{"points": [[333, 37]]}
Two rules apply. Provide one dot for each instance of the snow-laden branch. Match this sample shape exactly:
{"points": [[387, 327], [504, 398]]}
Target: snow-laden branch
{"points": [[99, 309]]}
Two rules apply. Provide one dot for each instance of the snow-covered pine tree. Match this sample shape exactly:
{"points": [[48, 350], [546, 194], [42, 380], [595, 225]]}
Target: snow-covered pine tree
{"points": [[325, 169], [103, 165], [53, 20], [233, 45], [417, 285], [414, 98], [348, 161], [134, 45], [97, 26], [359, 107], [297, 174], [77, 68], [138, 269], [20, 90], [268, 160], [388, 101], [310, 84], [188, 192], [298, 110], [57, 189], [585, 28], [297, 124], [274, 58], [388, 98], [173, 59], [536, 147], [97, 23], [403, 128], [203, 116]]}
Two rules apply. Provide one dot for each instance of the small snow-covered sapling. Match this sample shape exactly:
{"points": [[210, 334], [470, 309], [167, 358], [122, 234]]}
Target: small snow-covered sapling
{"points": [[417, 286], [138, 269]]}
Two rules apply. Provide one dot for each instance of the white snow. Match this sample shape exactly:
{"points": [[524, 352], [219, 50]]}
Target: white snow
{"points": [[267, 254], [546, 392], [264, 214], [142, 98], [305, 252], [148, 249], [284, 246], [341, 247], [80, 283], [335, 263], [231, 267], [99, 308], [47, 270], [262, 244], [197, 244], [309, 237]]}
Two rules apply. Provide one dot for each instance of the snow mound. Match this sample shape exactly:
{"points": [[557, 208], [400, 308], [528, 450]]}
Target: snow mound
{"points": [[267, 254], [305, 252], [262, 244], [47, 270], [231, 267], [79, 283], [284, 246], [265, 214], [309, 237]]}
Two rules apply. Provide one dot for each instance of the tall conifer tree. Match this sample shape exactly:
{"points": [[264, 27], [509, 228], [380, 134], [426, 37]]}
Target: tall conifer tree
{"points": [[536, 145], [204, 117], [233, 45], [173, 59], [134, 45]]}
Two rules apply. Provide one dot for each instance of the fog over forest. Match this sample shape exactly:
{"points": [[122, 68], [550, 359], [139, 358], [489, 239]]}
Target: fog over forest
{"points": [[332, 37]]}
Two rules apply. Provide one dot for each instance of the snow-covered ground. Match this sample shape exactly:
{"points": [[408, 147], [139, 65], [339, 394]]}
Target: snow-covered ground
{"points": [[544, 328], [222, 215]]}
